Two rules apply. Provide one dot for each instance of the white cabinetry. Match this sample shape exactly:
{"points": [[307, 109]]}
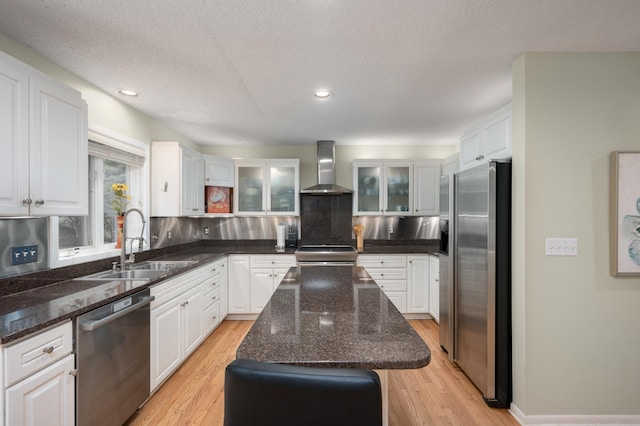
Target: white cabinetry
{"points": [[239, 279], [426, 177], [176, 323], [39, 379], [177, 180], [267, 187], [418, 283], [224, 288], [212, 295], [266, 273], [491, 139], [43, 138], [253, 279], [434, 287], [405, 279], [218, 171], [382, 188], [390, 272]]}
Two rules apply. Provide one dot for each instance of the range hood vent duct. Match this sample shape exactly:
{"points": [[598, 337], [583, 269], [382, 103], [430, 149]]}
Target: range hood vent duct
{"points": [[326, 172]]}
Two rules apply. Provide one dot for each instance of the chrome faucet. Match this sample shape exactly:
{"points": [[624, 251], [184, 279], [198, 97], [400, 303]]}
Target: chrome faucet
{"points": [[123, 251]]}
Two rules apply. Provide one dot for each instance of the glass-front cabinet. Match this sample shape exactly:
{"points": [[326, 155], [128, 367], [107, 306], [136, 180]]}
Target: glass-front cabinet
{"points": [[267, 187], [382, 188]]}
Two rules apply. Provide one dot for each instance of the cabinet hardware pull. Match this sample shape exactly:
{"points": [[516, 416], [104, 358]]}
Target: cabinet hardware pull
{"points": [[39, 202], [47, 350], [73, 373], [27, 201]]}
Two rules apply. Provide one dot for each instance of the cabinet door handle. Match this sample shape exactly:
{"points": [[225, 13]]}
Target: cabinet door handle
{"points": [[47, 350], [39, 202], [73, 373], [27, 201]]}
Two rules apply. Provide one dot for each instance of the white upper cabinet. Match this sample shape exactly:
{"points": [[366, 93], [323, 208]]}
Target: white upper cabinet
{"points": [[218, 171], [267, 187], [491, 139], [426, 177], [382, 188], [396, 187], [177, 180], [43, 137]]}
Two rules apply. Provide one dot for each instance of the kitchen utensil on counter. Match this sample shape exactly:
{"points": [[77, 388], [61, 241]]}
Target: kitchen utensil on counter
{"points": [[358, 230], [280, 236], [292, 236]]}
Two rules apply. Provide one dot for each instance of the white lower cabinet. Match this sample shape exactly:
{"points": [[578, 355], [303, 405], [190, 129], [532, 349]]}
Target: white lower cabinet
{"points": [[253, 279], [177, 326], [390, 272], [405, 279], [239, 278], [212, 295], [434, 287], [39, 380], [418, 283]]}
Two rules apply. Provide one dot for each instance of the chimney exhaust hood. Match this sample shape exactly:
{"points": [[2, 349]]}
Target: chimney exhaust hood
{"points": [[326, 172]]}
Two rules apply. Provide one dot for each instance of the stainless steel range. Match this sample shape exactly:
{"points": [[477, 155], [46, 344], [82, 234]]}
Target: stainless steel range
{"points": [[326, 255]]}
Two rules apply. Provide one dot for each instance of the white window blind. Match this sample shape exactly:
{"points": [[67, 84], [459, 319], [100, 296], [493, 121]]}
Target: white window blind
{"points": [[107, 152]]}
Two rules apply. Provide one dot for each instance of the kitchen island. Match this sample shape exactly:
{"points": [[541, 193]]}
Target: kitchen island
{"points": [[334, 316]]}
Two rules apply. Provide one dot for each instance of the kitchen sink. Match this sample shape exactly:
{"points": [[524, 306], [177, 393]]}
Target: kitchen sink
{"points": [[162, 265], [133, 274], [140, 271]]}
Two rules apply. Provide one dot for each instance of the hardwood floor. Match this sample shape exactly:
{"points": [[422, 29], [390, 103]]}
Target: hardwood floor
{"points": [[437, 394]]}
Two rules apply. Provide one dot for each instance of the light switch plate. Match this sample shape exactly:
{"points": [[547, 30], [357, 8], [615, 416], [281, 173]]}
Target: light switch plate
{"points": [[561, 247]]}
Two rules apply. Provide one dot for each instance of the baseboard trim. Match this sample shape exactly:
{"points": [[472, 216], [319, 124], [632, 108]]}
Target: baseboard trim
{"points": [[573, 419]]}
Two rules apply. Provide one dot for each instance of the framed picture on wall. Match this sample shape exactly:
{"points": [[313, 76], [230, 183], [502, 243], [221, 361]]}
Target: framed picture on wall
{"points": [[625, 214]]}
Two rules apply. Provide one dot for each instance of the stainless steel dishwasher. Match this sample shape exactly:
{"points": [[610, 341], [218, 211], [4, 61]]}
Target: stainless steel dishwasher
{"points": [[112, 353]]}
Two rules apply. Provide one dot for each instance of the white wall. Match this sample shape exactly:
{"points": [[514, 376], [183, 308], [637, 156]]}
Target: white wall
{"points": [[576, 339]]}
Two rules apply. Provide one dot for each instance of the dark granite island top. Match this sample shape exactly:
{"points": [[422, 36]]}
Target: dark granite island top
{"points": [[333, 316]]}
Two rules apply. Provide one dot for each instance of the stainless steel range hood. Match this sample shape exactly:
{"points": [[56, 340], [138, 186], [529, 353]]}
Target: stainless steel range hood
{"points": [[326, 172]]}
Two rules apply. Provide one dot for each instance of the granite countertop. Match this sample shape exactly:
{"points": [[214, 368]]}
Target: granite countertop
{"points": [[333, 316], [35, 301]]}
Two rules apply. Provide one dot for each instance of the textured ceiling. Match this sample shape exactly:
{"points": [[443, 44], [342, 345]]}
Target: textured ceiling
{"points": [[242, 71]]}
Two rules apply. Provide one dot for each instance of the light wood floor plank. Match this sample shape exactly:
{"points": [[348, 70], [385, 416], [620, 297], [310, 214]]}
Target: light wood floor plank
{"points": [[438, 394]]}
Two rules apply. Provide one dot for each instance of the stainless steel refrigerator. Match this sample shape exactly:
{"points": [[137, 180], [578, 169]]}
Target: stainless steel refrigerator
{"points": [[482, 279]]}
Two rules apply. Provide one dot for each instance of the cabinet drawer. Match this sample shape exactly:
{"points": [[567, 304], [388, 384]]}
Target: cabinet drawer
{"points": [[173, 287], [211, 284], [399, 299], [387, 274], [279, 261], [211, 317], [389, 261], [213, 269], [211, 298], [392, 285], [28, 356]]}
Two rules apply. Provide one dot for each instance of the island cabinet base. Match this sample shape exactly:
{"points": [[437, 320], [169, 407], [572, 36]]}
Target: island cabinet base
{"points": [[384, 389]]}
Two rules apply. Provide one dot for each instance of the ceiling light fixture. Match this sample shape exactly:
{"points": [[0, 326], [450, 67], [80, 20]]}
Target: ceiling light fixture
{"points": [[322, 94], [129, 93]]}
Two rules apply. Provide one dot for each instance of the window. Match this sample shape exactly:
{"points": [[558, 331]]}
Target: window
{"points": [[95, 235]]}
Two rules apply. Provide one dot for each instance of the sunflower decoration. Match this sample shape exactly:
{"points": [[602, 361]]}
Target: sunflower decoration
{"points": [[121, 200]]}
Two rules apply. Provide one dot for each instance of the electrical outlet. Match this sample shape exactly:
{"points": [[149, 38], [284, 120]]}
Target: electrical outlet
{"points": [[561, 247], [24, 254], [206, 230], [169, 235]]}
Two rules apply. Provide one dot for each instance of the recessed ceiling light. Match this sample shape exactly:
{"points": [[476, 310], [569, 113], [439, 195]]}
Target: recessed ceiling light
{"points": [[322, 94], [130, 93]]}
